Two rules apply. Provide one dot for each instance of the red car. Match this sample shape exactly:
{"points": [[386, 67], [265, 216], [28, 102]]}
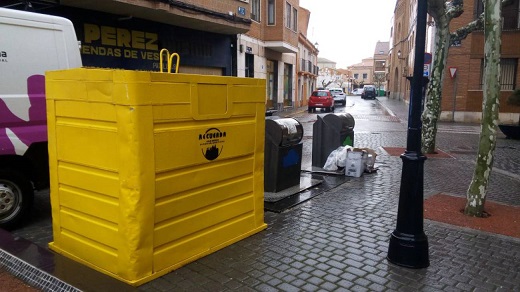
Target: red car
{"points": [[321, 99]]}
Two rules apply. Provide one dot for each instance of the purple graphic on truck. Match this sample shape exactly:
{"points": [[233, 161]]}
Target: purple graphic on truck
{"points": [[28, 132]]}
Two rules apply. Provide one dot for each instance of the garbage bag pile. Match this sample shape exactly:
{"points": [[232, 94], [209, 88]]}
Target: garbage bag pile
{"points": [[353, 160]]}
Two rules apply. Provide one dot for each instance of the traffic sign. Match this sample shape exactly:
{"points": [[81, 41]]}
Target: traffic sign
{"points": [[427, 58], [453, 72], [426, 70]]}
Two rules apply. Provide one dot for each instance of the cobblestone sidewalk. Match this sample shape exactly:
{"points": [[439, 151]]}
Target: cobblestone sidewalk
{"points": [[338, 241]]}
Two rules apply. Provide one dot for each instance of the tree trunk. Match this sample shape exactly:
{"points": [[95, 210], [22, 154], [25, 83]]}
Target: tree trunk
{"points": [[476, 194], [442, 12], [432, 110]]}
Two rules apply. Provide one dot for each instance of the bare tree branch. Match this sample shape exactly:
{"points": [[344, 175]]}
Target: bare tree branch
{"points": [[326, 83], [464, 31]]}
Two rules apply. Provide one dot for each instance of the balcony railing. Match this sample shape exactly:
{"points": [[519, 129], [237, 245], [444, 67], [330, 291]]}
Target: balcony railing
{"points": [[307, 66]]}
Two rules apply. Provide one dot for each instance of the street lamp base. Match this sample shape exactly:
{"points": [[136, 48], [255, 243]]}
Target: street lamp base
{"points": [[408, 250]]}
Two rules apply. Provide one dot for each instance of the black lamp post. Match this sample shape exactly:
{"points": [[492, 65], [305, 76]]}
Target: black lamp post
{"points": [[408, 244]]}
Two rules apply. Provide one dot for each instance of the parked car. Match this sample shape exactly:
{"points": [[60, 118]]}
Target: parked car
{"points": [[338, 95], [369, 92], [357, 91], [321, 99]]}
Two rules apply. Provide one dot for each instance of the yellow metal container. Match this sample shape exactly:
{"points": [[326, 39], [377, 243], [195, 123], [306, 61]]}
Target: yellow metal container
{"points": [[151, 171]]}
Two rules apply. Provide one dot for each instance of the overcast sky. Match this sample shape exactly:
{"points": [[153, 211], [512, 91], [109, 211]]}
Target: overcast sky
{"points": [[347, 30]]}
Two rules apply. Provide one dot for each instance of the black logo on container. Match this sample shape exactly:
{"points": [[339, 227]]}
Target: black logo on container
{"points": [[212, 143]]}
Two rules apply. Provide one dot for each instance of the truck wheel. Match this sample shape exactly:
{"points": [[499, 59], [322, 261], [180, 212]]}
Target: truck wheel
{"points": [[16, 198]]}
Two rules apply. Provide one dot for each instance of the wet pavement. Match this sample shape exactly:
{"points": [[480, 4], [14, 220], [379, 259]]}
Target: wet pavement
{"points": [[336, 240]]}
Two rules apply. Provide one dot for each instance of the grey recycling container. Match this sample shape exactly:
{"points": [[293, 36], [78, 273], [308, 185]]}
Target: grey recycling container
{"points": [[283, 153], [328, 133]]}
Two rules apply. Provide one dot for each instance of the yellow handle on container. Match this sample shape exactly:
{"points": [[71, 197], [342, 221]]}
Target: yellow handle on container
{"points": [[169, 59]]}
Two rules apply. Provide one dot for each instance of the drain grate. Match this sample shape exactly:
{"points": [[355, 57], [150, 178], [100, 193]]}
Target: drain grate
{"points": [[32, 275]]}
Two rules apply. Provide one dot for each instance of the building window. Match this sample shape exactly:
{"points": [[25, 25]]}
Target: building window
{"points": [[356, 76], [510, 14], [255, 10], [365, 75], [272, 84], [270, 12], [291, 17], [508, 72], [288, 11], [508, 68], [295, 19]]}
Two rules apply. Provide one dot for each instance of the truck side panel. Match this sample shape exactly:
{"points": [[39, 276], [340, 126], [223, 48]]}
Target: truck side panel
{"points": [[29, 47]]}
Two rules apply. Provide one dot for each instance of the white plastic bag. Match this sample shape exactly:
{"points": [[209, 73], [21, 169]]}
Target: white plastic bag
{"points": [[330, 164], [337, 159]]}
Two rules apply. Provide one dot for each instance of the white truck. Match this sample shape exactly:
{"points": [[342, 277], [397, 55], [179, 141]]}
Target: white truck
{"points": [[30, 44]]}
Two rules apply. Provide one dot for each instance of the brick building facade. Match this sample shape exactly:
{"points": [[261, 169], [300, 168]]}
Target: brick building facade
{"points": [[465, 101], [462, 95]]}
